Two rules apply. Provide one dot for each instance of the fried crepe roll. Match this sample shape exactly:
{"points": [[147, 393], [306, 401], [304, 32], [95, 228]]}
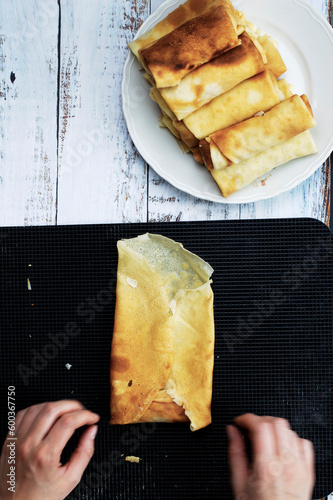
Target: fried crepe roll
{"points": [[162, 351], [190, 45], [238, 175], [259, 93], [286, 88], [214, 78], [274, 60], [187, 137], [155, 95], [184, 13], [248, 138]]}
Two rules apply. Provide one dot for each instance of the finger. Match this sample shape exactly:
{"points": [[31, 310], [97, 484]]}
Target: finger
{"points": [[263, 442], [42, 422], [25, 418], [295, 443], [18, 419], [249, 420], [65, 427], [81, 456], [238, 459], [283, 422], [284, 438], [307, 451], [261, 434]]}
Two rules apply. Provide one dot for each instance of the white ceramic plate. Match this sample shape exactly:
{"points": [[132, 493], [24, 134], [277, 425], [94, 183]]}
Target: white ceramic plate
{"points": [[306, 45]]}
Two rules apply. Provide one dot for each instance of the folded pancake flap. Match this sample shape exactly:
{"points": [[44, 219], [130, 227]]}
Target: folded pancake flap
{"points": [[163, 341]]}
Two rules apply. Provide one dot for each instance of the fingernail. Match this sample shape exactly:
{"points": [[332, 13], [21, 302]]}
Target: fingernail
{"points": [[93, 432]]}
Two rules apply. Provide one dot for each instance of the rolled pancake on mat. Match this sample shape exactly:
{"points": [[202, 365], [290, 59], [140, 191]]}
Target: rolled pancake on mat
{"points": [[239, 175], [259, 93], [274, 60], [214, 78], [190, 45], [184, 13], [248, 138], [162, 351]]}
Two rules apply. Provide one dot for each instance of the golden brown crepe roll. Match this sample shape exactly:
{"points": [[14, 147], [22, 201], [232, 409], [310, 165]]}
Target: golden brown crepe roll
{"points": [[246, 139], [162, 351], [239, 175], [274, 60], [197, 155], [286, 88], [178, 128], [214, 78], [259, 93], [149, 79], [185, 12], [190, 45], [155, 95], [186, 135], [168, 123]]}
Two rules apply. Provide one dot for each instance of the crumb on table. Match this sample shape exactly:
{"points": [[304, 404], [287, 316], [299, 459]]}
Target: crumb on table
{"points": [[133, 459]]}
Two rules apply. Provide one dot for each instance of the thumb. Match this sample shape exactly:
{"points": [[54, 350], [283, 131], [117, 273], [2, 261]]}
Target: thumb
{"points": [[238, 460], [82, 455]]}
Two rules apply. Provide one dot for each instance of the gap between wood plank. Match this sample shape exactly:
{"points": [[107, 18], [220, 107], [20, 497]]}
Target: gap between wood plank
{"points": [[58, 110]]}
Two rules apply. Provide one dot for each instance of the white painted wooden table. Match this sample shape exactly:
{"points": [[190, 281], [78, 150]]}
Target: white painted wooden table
{"points": [[65, 153]]}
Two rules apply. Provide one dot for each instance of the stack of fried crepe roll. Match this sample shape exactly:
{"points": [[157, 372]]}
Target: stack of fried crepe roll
{"points": [[214, 75]]}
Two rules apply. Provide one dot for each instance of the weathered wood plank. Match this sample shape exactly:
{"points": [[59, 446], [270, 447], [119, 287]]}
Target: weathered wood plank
{"points": [[310, 199], [28, 103], [169, 204], [101, 177]]}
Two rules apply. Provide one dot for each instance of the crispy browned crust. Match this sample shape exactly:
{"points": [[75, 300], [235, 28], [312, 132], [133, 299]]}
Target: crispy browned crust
{"points": [[189, 46], [183, 13]]}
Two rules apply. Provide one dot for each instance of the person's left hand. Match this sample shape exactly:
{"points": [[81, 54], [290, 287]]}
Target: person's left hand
{"points": [[42, 432]]}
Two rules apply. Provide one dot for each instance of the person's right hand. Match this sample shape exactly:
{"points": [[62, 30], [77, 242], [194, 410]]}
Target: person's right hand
{"points": [[282, 464]]}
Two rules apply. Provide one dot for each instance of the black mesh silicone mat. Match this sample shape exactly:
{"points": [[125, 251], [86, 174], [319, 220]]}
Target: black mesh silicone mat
{"points": [[273, 285]]}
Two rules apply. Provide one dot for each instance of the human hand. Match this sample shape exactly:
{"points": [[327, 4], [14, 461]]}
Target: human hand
{"points": [[42, 432], [282, 464]]}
